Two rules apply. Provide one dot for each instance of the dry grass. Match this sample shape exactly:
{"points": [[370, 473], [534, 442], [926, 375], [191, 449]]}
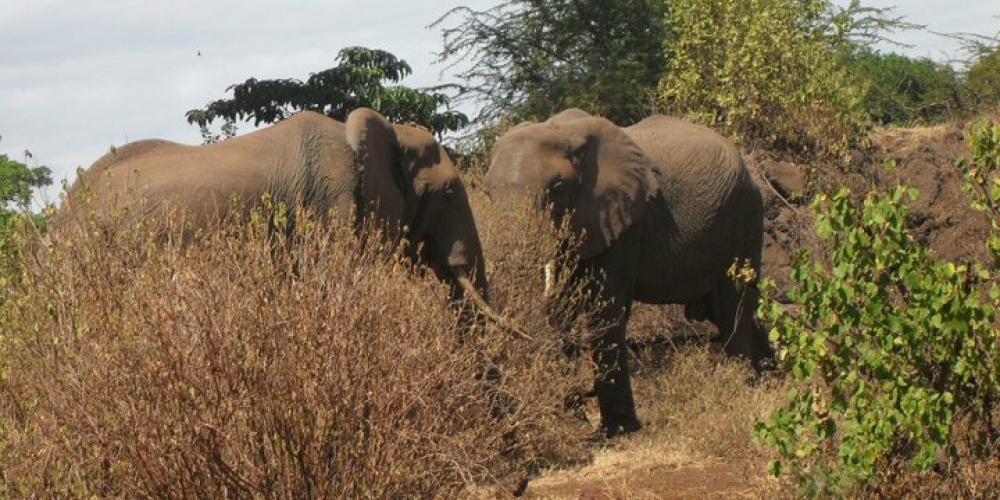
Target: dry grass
{"points": [[699, 412]]}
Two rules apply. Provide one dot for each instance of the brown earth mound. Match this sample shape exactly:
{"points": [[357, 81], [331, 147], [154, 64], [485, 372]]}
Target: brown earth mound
{"points": [[921, 157]]}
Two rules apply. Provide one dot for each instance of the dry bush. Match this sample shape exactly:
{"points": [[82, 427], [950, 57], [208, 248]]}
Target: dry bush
{"points": [[518, 242], [222, 368]]}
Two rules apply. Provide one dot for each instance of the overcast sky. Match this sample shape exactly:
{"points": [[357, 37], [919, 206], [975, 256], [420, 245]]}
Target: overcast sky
{"points": [[77, 77]]}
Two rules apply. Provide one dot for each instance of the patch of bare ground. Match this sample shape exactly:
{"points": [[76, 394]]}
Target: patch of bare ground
{"points": [[925, 159], [698, 411], [670, 477]]}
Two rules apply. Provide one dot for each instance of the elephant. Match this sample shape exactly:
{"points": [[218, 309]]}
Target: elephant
{"points": [[364, 167], [661, 210]]}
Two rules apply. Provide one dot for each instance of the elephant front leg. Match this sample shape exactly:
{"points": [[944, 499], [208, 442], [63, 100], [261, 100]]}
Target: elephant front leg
{"points": [[613, 385]]}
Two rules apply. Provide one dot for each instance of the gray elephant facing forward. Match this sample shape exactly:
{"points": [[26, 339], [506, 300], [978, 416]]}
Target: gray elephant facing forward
{"points": [[397, 174], [663, 209]]}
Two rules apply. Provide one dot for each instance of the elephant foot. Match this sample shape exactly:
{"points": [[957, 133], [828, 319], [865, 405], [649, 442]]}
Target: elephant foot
{"points": [[575, 400], [512, 488], [622, 428], [520, 488]]}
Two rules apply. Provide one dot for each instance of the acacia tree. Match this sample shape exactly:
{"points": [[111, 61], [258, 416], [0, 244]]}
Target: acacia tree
{"points": [[356, 81], [528, 58], [982, 81], [17, 183]]}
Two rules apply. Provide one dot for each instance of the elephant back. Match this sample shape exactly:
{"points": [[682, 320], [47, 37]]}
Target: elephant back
{"points": [[112, 183], [693, 162], [314, 167], [707, 197], [302, 161]]}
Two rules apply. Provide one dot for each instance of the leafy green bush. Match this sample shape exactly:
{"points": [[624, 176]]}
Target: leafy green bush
{"points": [[982, 81], [982, 175], [766, 71], [889, 347], [904, 90]]}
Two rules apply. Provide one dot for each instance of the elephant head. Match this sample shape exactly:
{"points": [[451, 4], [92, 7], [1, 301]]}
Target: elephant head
{"points": [[409, 184], [580, 165]]}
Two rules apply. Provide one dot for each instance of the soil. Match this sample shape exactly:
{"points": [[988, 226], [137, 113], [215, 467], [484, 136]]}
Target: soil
{"points": [[924, 158], [666, 482]]}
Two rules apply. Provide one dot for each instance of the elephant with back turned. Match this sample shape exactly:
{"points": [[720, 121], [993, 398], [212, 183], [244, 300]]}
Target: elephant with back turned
{"points": [[367, 167], [663, 209]]}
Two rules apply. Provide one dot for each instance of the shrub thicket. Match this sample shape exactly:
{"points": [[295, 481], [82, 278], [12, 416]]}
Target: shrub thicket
{"points": [[220, 368], [905, 90], [893, 351], [982, 80], [766, 72]]}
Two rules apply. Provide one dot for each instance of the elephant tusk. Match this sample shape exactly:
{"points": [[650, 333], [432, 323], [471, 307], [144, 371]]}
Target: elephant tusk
{"points": [[486, 310], [550, 278]]}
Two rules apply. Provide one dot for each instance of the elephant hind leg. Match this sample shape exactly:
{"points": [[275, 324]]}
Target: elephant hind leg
{"points": [[698, 309], [734, 313]]}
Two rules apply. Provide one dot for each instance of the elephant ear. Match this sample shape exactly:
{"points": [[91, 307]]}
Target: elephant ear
{"points": [[616, 181], [385, 187]]}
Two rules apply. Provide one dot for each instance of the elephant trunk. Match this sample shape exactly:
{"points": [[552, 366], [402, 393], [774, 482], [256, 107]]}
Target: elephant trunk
{"points": [[482, 307], [451, 246]]}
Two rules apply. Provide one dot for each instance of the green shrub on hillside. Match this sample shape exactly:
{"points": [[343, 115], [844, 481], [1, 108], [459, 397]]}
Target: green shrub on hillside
{"points": [[982, 177], [894, 351], [905, 90], [982, 81], [766, 71]]}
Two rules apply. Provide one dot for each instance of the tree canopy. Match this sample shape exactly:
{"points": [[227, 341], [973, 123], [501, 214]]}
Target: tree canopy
{"points": [[983, 77], [17, 183], [905, 90], [358, 80], [530, 58], [800, 76]]}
